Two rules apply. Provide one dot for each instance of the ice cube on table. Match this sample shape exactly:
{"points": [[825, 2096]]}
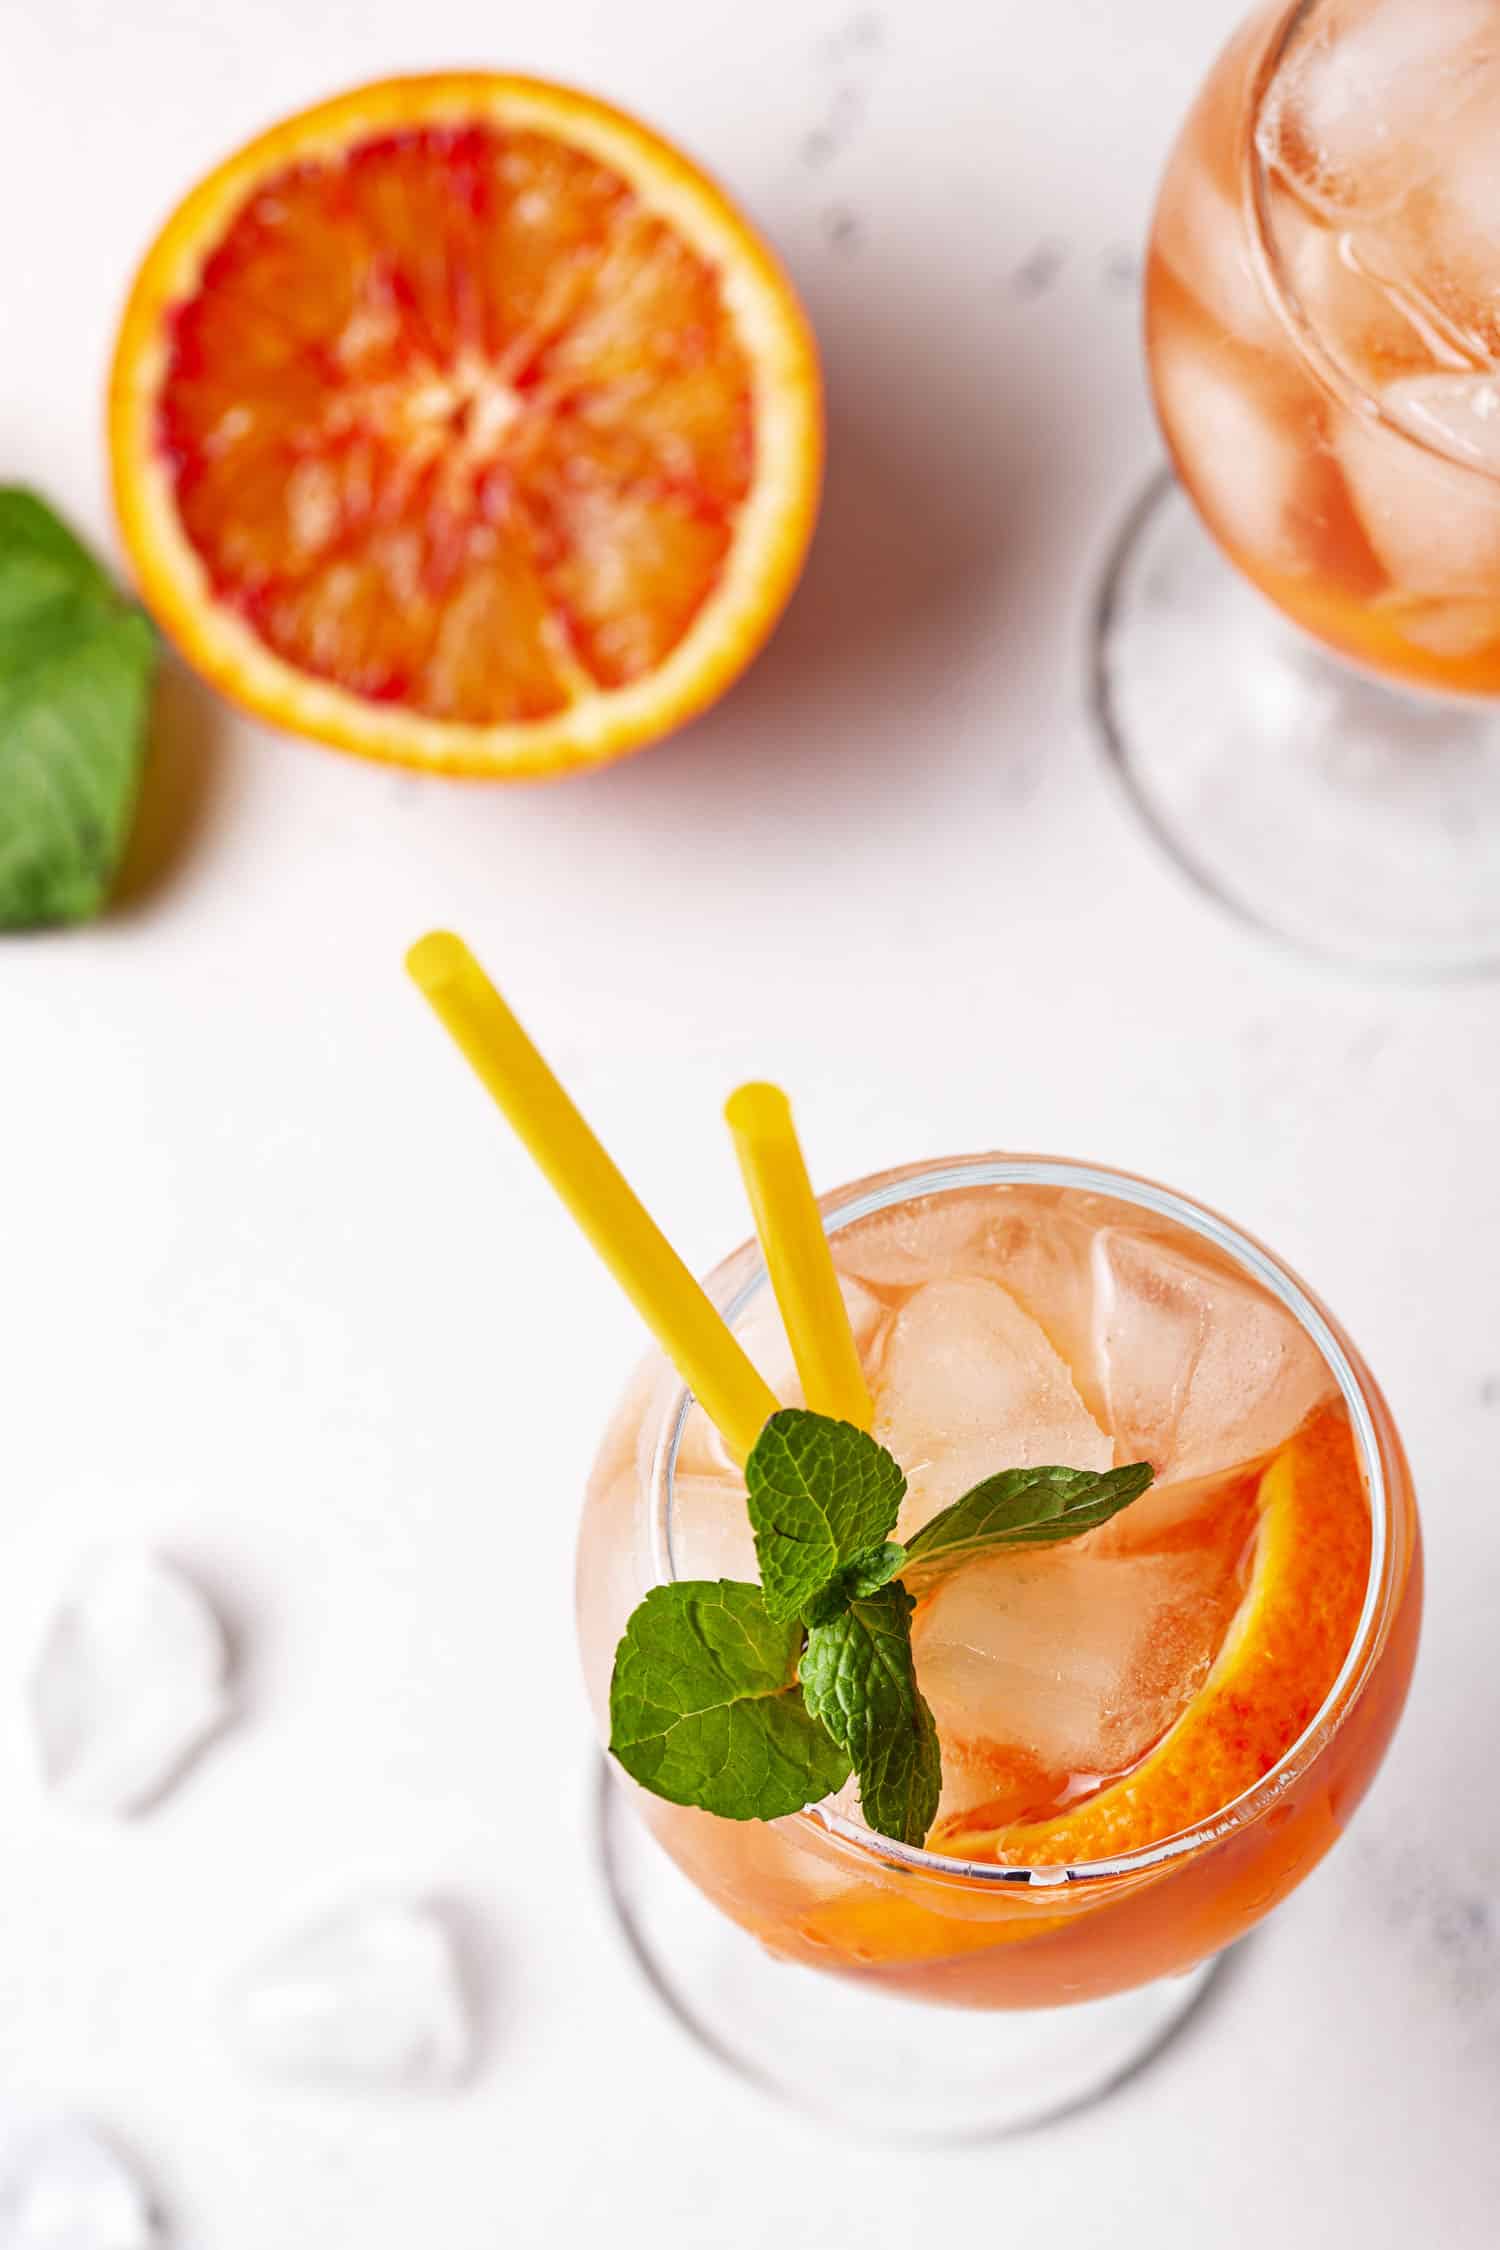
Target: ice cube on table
{"points": [[1202, 1373], [1433, 522], [132, 1680], [970, 1385], [1356, 117], [63, 2187], [1079, 1660], [371, 1996]]}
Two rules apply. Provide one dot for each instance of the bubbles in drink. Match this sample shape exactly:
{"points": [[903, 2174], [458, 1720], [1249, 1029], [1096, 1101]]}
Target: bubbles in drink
{"points": [[1083, 1331], [710, 1529], [1356, 117], [763, 1335], [1327, 391], [1459, 414], [1262, 486], [1454, 629], [1434, 524], [895, 1249], [1450, 247], [1401, 105], [1201, 243], [1361, 306], [1038, 1246], [970, 1384], [1077, 1660], [1203, 1375], [711, 1536], [1013, 1326]]}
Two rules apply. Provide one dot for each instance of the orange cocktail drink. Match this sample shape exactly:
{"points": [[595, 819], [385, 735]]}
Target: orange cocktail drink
{"points": [[1322, 328], [1323, 345], [1150, 1734], [1000, 1592]]}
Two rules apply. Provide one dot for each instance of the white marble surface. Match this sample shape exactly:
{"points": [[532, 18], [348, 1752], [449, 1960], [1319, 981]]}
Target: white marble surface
{"points": [[277, 1295]]}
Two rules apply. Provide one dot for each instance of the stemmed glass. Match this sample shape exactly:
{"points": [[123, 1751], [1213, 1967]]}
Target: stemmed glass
{"points": [[902, 1991], [1298, 643]]}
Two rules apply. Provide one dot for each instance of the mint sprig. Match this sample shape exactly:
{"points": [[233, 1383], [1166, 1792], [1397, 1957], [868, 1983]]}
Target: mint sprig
{"points": [[754, 1701], [1020, 1508], [858, 1677], [705, 1706], [868, 1572], [822, 1495], [76, 664]]}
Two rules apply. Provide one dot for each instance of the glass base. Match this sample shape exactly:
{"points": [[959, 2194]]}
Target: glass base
{"points": [[877, 2065], [1348, 817]]}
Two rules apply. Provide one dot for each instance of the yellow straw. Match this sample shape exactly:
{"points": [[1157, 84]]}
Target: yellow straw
{"points": [[673, 1306], [797, 1255]]}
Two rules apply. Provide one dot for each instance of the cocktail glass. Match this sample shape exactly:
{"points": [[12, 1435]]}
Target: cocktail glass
{"points": [[1298, 645], [1009, 1310]]}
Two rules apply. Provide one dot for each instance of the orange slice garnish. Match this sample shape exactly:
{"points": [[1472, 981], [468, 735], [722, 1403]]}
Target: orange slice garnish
{"points": [[1281, 1657], [1273, 1674], [461, 421]]}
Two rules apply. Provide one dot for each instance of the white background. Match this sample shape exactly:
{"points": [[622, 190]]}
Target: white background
{"points": [[277, 1292]]}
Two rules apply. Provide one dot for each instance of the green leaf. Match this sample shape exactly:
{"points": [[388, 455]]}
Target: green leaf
{"points": [[822, 1493], [705, 1706], [76, 663], [1020, 1508], [865, 1575], [858, 1678]]}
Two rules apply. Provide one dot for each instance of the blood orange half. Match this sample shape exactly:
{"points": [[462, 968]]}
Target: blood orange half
{"points": [[461, 421]]}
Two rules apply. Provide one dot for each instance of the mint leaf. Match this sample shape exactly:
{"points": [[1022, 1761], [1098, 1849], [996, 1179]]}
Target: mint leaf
{"points": [[865, 1575], [717, 1702], [858, 1678], [76, 663], [1020, 1508], [705, 1707], [822, 1493]]}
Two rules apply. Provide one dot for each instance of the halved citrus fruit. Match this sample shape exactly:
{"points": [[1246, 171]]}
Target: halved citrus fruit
{"points": [[461, 421], [1278, 1662]]}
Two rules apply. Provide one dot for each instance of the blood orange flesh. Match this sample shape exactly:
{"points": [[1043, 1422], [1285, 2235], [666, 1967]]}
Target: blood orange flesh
{"points": [[466, 409]]}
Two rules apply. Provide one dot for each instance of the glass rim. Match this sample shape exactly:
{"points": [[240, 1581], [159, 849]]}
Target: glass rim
{"points": [[862, 1198], [1275, 280]]}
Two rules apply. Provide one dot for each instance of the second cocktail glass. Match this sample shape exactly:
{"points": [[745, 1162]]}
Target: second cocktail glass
{"points": [[1324, 350]]}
